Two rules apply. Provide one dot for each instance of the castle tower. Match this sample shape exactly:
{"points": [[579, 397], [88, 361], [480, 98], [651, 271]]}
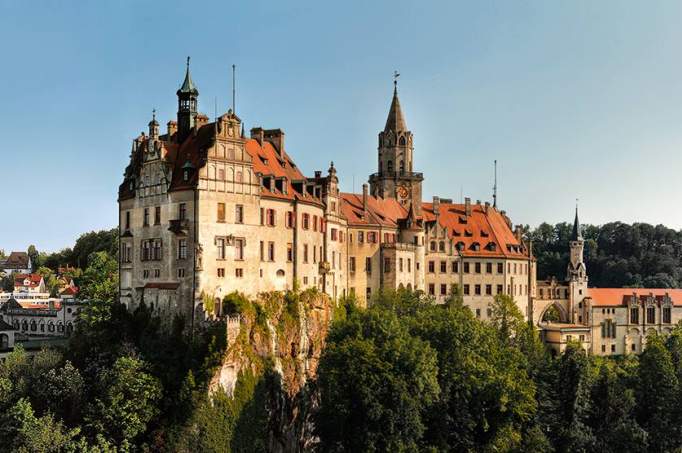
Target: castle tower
{"points": [[395, 177], [577, 272], [187, 106]]}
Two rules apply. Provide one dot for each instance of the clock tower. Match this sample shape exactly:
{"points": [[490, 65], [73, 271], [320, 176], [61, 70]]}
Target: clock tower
{"points": [[396, 178]]}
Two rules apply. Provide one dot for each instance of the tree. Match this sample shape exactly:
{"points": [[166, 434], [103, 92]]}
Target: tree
{"points": [[100, 279], [22, 431], [573, 433], [611, 413], [127, 400], [375, 382], [32, 253], [62, 392], [657, 396]]}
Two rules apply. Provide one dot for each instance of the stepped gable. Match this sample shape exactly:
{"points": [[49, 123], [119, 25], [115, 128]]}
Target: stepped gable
{"points": [[487, 229], [614, 297], [380, 211]]}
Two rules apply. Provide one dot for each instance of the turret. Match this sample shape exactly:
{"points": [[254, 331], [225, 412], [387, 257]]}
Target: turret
{"points": [[187, 106]]}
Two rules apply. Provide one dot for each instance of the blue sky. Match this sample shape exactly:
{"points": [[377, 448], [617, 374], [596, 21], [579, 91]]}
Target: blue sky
{"points": [[576, 99]]}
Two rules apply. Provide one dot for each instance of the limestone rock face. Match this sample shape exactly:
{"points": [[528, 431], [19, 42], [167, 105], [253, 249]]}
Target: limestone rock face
{"points": [[285, 332]]}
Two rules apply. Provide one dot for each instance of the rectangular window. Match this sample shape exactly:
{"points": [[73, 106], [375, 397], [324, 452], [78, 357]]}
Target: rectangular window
{"points": [[634, 315], [305, 253], [443, 289], [315, 223], [351, 264], [478, 312], [271, 251], [455, 267], [651, 315], [489, 290], [239, 272], [432, 289], [443, 267], [181, 273], [239, 249], [157, 273], [368, 265], [145, 220], [500, 268], [333, 260], [127, 222], [488, 268], [499, 289], [157, 215], [361, 237], [409, 265], [466, 289], [182, 249], [368, 293], [262, 250], [432, 267], [315, 254], [290, 252], [221, 272], [262, 216], [271, 217], [334, 234], [477, 290], [182, 211], [289, 219], [306, 221], [477, 268], [239, 213], [466, 268], [221, 212], [220, 244], [613, 348], [667, 318]]}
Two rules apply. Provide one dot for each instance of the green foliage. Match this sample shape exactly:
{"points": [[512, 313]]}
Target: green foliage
{"points": [[616, 254], [127, 401], [100, 279]]}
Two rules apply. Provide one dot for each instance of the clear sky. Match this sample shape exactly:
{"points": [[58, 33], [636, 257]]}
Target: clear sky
{"points": [[575, 99]]}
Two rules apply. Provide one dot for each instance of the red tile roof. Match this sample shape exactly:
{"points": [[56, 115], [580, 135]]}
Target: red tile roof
{"points": [[380, 211], [609, 297], [489, 229], [35, 280]]}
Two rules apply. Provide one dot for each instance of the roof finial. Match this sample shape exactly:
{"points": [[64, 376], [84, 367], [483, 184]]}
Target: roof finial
{"points": [[577, 233], [495, 186], [188, 62], [396, 74], [154, 114]]}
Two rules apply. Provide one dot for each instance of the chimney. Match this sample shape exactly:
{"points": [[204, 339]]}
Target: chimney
{"points": [[486, 207], [518, 232], [201, 120], [258, 135], [364, 197], [171, 128], [436, 206], [318, 174], [467, 207], [276, 137]]}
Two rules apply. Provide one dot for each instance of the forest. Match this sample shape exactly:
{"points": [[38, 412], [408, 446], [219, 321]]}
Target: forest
{"points": [[617, 254]]}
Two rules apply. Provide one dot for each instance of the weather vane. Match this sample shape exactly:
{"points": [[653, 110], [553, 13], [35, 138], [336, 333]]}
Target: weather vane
{"points": [[396, 74]]}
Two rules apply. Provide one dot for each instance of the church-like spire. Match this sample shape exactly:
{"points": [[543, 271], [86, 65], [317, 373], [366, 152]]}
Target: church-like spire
{"points": [[395, 121], [188, 86], [576, 235]]}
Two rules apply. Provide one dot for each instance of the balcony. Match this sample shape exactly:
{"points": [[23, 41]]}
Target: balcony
{"points": [[398, 174], [179, 226]]}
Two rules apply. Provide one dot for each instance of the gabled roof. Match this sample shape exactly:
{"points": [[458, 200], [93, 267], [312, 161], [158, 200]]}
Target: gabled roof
{"points": [[34, 280], [486, 227], [610, 297], [380, 211], [16, 260]]}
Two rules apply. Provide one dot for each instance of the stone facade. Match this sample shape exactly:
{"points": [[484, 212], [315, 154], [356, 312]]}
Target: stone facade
{"points": [[205, 211]]}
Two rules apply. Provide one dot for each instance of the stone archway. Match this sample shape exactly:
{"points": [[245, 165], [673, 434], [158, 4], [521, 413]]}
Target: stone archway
{"points": [[554, 310]]}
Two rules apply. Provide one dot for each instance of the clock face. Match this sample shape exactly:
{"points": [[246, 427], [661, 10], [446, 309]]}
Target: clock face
{"points": [[402, 192]]}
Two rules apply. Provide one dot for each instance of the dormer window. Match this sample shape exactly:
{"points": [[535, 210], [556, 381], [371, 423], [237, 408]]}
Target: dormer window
{"points": [[476, 246]]}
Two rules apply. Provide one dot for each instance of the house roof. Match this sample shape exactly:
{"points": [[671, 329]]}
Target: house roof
{"points": [[610, 297], [380, 211], [34, 280], [16, 260], [487, 227]]}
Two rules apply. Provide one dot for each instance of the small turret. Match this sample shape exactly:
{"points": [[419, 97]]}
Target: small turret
{"points": [[154, 127], [187, 106]]}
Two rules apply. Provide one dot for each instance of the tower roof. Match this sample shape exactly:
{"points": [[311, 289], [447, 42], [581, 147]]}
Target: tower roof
{"points": [[395, 121], [188, 86], [576, 235]]}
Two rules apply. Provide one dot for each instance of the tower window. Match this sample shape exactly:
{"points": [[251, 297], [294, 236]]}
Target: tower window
{"points": [[389, 166], [402, 166]]}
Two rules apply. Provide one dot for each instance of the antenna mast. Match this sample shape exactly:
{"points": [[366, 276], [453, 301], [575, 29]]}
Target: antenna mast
{"points": [[495, 187], [234, 106]]}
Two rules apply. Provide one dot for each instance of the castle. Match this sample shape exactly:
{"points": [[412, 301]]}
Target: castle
{"points": [[205, 211]]}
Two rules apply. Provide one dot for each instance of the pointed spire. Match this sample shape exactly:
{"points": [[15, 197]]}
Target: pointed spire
{"points": [[395, 121], [188, 86], [576, 235]]}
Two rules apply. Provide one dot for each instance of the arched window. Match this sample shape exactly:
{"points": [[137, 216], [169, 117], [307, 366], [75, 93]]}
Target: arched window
{"points": [[402, 166], [69, 329], [4, 341], [389, 166], [34, 326], [402, 141], [24, 325], [239, 176], [433, 246], [50, 326], [441, 246], [60, 327]]}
